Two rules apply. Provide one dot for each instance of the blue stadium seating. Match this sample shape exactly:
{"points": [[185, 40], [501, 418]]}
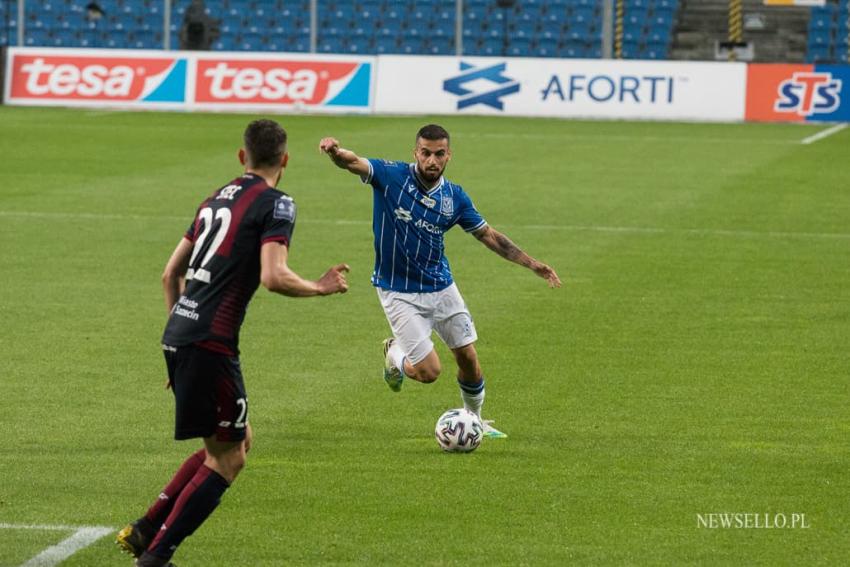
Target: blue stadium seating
{"points": [[828, 33], [647, 28], [546, 28]]}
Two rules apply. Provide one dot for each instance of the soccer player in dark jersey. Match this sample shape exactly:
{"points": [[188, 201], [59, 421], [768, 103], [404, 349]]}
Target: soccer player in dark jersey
{"points": [[239, 238], [413, 206]]}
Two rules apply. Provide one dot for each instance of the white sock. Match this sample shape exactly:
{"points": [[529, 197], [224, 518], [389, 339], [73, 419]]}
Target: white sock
{"points": [[397, 357], [472, 396]]}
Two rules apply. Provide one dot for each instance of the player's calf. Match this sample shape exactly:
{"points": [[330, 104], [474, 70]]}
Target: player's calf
{"points": [[426, 370]]}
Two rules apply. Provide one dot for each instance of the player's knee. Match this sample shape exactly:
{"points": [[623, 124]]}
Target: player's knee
{"points": [[227, 463], [232, 465], [428, 373]]}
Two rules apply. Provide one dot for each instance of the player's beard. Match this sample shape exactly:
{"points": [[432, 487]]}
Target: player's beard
{"points": [[431, 176]]}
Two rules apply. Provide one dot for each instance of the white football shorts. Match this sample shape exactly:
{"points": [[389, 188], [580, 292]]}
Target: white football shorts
{"points": [[412, 317]]}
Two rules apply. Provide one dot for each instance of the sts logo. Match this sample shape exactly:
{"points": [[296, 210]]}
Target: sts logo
{"points": [[807, 93]]}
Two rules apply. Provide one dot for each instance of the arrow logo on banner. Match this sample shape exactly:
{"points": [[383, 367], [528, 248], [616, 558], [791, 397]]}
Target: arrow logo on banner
{"points": [[492, 98]]}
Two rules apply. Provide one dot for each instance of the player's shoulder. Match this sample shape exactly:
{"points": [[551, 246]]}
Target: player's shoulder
{"points": [[281, 203], [453, 188], [390, 165], [275, 193]]}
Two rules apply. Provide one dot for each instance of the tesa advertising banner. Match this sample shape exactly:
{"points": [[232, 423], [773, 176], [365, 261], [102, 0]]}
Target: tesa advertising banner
{"points": [[274, 81], [188, 80], [566, 88], [96, 78], [798, 93]]}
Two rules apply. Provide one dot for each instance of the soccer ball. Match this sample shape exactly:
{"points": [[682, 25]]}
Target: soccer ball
{"points": [[459, 431]]}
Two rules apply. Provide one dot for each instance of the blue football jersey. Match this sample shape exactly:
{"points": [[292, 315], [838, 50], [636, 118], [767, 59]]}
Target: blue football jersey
{"points": [[409, 222]]}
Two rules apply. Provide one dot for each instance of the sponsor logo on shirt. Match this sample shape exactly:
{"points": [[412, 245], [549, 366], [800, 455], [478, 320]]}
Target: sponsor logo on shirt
{"points": [[403, 214], [425, 225], [229, 192], [429, 202]]}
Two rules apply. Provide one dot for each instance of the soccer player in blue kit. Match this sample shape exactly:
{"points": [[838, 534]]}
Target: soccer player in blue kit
{"points": [[413, 206]]}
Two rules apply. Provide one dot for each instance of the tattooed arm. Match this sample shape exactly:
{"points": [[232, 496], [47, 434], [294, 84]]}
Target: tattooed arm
{"points": [[504, 247]]}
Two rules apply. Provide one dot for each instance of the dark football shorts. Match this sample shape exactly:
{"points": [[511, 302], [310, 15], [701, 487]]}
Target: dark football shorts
{"points": [[209, 393]]}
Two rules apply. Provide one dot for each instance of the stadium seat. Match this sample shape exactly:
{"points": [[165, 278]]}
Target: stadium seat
{"points": [[818, 54], [359, 45], [529, 11], [820, 36], [545, 47], [412, 45], [520, 47], [387, 44], [821, 21]]}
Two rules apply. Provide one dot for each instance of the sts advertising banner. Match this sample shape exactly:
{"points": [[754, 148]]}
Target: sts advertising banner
{"points": [[189, 80], [566, 88], [798, 93]]}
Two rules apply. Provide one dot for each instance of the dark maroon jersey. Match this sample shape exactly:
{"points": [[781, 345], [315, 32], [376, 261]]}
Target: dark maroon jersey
{"points": [[224, 269]]}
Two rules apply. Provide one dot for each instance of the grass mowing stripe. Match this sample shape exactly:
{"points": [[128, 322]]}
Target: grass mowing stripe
{"points": [[569, 228]]}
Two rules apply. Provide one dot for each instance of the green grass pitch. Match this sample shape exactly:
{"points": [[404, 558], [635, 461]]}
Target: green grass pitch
{"points": [[694, 362]]}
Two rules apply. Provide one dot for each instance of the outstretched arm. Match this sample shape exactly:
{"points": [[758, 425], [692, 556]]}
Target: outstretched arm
{"points": [[277, 276], [504, 247], [344, 159]]}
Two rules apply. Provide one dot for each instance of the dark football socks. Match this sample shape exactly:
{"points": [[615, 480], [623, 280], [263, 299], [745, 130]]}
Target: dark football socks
{"points": [[160, 509], [472, 395], [194, 505]]}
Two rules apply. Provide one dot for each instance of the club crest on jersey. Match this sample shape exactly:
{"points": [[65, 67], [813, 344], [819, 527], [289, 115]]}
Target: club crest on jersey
{"points": [[284, 209], [429, 202], [447, 207]]}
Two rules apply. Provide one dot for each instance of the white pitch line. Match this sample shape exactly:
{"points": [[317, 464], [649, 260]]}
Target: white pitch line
{"points": [[83, 536], [563, 227], [823, 134]]}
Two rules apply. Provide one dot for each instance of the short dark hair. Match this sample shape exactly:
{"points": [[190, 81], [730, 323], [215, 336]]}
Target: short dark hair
{"points": [[432, 132], [265, 142]]}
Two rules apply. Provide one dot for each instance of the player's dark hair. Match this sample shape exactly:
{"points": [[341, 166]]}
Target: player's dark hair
{"points": [[433, 132], [265, 142]]}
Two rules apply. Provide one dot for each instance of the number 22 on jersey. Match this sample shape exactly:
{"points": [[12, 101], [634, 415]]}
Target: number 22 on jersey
{"points": [[215, 229]]}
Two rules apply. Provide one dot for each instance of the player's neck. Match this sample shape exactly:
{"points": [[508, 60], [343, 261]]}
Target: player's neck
{"points": [[270, 177]]}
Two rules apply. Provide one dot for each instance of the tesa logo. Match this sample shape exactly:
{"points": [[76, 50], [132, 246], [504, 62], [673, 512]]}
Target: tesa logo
{"points": [[807, 93], [82, 78], [267, 81]]}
